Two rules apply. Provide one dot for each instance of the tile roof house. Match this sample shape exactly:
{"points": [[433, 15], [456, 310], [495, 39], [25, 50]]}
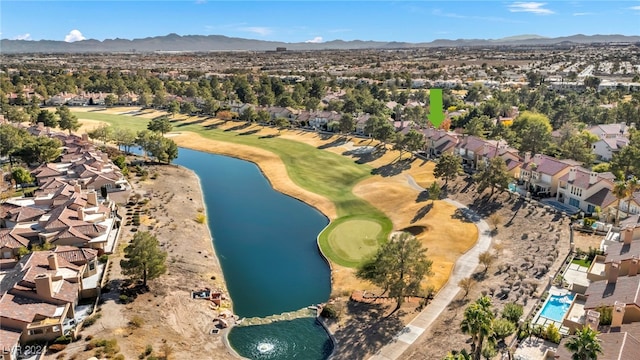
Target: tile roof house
{"points": [[613, 137], [586, 190], [543, 172], [38, 298], [476, 151]]}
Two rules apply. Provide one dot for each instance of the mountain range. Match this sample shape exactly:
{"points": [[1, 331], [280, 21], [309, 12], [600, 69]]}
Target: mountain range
{"points": [[193, 43]]}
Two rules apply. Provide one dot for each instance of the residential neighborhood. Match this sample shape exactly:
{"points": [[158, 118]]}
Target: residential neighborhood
{"points": [[537, 153]]}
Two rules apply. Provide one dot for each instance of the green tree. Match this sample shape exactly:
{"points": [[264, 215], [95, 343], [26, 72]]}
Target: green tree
{"points": [[477, 322], [512, 312], [620, 191], [434, 192], [462, 355], [592, 82], [159, 99], [21, 176], [40, 150], [584, 344], [398, 266], [145, 99], [281, 123], [160, 124], [263, 116], [249, 115], [110, 100], [11, 141], [626, 162], [491, 175], [414, 141], [47, 118], [633, 185], [174, 108], [124, 138], [502, 328], [533, 132], [143, 258], [68, 121], [347, 123], [448, 167], [102, 133]]}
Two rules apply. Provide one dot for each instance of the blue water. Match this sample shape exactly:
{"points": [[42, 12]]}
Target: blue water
{"points": [[302, 339], [266, 243], [557, 306]]}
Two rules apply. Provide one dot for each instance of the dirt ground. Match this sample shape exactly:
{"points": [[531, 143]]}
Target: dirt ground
{"points": [[530, 245], [169, 314]]}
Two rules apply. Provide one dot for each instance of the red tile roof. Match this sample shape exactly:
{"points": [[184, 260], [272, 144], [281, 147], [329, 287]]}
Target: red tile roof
{"points": [[10, 240]]}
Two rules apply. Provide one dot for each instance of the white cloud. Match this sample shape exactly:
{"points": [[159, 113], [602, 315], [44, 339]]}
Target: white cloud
{"points": [[315, 40], [262, 31], [582, 14], [200, 2], [532, 7], [74, 35], [637, 8], [26, 36]]}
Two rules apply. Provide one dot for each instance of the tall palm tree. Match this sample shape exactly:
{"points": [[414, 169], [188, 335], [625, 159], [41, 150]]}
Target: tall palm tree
{"points": [[633, 185], [620, 191], [477, 322], [584, 345]]}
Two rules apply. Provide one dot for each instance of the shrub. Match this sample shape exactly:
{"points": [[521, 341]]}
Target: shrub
{"points": [[512, 312], [64, 339], [54, 348], [606, 314], [103, 258], [123, 299], [119, 357], [330, 312], [200, 218], [90, 321], [552, 334], [137, 322], [148, 350]]}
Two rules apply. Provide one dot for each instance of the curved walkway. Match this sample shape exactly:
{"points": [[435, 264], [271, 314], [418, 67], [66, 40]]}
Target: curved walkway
{"points": [[464, 267]]}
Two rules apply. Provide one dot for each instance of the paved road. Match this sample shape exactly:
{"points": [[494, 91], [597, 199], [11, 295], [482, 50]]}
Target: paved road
{"points": [[464, 267]]}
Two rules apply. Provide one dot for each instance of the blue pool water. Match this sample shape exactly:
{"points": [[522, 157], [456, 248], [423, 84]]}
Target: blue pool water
{"points": [[557, 306]]}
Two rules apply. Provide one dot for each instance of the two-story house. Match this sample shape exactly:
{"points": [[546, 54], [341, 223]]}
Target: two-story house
{"points": [[612, 138], [586, 189], [541, 173]]}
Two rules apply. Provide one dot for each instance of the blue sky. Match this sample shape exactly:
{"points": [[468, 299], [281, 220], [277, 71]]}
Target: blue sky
{"points": [[315, 21]]}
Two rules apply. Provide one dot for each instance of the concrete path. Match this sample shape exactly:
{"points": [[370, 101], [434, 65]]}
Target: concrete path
{"points": [[464, 267]]}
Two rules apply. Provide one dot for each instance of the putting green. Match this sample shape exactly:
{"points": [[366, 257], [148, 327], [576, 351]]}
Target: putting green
{"points": [[351, 240]]}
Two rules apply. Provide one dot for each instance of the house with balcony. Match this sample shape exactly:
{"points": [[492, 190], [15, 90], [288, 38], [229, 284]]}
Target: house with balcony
{"points": [[541, 173], [475, 152], [38, 300], [586, 190]]}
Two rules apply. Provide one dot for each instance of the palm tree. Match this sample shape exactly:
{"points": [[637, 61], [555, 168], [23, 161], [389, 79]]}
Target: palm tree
{"points": [[633, 185], [477, 322], [584, 345], [620, 191]]}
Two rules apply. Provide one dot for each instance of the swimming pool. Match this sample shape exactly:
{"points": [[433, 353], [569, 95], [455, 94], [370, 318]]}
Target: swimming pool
{"points": [[556, 307]]}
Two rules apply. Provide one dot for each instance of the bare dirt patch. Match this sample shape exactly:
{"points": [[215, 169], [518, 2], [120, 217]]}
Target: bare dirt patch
{"points": [[530, 245], [169, 315]]}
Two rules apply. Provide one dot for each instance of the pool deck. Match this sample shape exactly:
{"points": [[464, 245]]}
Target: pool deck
{"points": [[544, 321]]}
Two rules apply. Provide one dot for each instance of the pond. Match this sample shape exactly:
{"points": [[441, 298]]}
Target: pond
{"points": [[266, 243]]}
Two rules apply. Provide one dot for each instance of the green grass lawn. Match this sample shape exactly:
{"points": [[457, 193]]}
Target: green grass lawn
{"points": [[322, 172], [582, 262], [350, 240]]}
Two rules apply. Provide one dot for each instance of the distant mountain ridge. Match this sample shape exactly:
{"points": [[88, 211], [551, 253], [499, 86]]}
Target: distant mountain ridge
{"points": [[191, 43]]}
